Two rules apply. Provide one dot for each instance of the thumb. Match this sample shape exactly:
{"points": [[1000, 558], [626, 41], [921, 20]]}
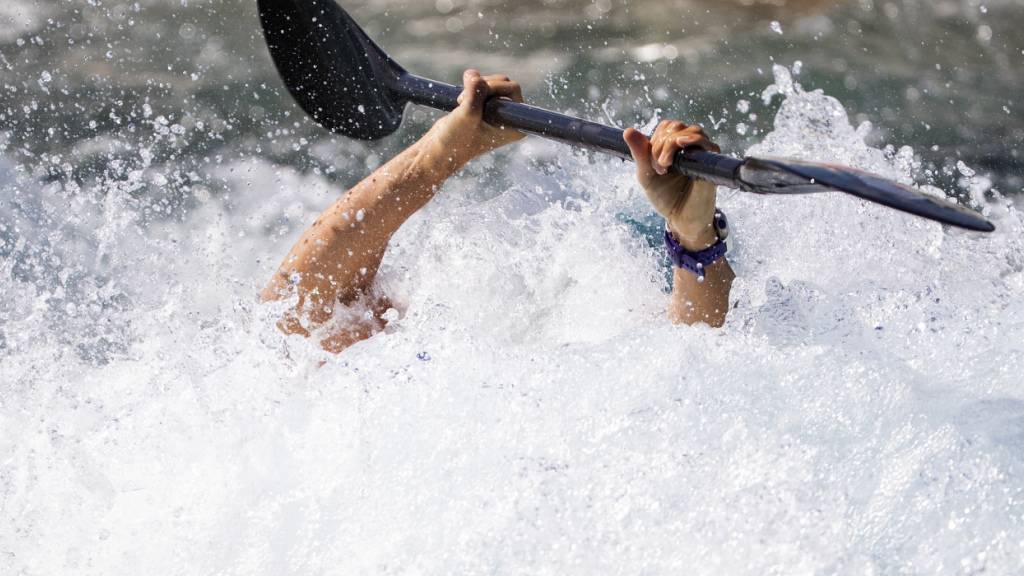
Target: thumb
{"points": [[640, 148]]}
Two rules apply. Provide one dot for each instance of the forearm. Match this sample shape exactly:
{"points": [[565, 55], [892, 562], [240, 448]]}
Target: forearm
{"points": [[689, 210], [337, 258], [692, 300], [708, 301]]}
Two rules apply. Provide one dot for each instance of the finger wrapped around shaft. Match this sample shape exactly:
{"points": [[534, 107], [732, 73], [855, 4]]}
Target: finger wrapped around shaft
{"points": [[502, 86], [474, 91]]}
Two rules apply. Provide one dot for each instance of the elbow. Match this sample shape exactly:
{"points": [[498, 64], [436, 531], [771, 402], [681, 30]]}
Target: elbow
{"points": [[277, 288], [290, 324], [270, 293], [291, 321]]}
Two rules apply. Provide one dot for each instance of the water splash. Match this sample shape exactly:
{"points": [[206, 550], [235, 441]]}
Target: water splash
{"points": [[532, 409]]}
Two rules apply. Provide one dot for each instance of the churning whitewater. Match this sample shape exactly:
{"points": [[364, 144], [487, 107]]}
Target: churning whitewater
{"points": [[532, 410]]}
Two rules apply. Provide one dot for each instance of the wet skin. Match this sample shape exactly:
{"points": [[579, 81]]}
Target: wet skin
{"points": [[335, 261]]}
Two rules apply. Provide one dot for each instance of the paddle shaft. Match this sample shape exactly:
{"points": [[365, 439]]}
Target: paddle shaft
{"points": [[716, 168]]}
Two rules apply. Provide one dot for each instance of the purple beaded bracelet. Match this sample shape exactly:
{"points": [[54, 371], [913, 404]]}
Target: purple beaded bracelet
{"points": [[697, 262]]}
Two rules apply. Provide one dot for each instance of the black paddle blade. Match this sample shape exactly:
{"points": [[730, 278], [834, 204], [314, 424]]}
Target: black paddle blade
{"points": [[332, 68], [778, 176]]}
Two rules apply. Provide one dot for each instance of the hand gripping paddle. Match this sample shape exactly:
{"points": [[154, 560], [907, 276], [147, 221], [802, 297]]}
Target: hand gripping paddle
{"points": [[349, 85]]}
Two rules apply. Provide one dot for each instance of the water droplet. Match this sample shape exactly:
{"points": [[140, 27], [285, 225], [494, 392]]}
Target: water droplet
{"points": [[964, 169], [984, 34], [453, 24]]}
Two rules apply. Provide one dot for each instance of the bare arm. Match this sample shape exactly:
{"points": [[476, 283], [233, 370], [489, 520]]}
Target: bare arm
{"points": [[336, 260], [688, 207]]}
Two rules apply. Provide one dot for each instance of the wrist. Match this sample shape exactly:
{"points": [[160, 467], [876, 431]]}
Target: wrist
{"points": [[441, 156], [447, 144], [693, 236], [692, 260]]}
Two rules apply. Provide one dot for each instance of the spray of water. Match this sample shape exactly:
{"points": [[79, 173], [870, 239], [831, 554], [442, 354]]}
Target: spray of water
{"points": [[532, 410]]}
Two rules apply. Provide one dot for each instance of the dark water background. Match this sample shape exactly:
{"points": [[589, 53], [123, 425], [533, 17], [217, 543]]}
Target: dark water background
{"points": [[80, 80]]}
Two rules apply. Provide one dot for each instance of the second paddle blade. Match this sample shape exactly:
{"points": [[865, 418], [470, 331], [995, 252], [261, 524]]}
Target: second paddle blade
{"points": [[785, 176], [332, 68]]}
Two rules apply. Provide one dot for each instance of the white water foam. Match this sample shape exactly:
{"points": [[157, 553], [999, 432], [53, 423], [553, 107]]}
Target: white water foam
{"points": [[533, 411]]}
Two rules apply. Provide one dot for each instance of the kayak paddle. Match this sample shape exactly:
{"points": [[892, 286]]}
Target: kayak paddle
{"points": [[341, 78]]}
